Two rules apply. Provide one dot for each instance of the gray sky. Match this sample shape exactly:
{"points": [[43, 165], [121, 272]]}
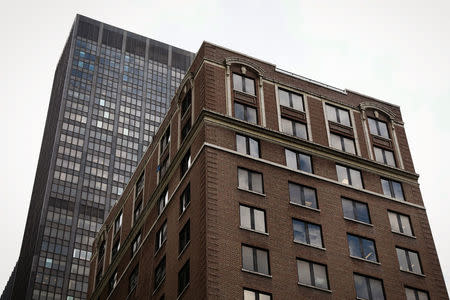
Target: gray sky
{"points": [[397, 51]]}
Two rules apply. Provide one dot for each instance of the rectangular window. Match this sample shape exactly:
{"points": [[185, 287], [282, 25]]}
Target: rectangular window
{"points": [[165, 139], [249, 180], [118, 223], [384, 156], [338, 115], [140, 184], [184, 237], [243, 84], [290, 99], [185, 130], [245, 113], [163, 167], [185, 198], [342, 143], [392, 189], [302, 195], [185, 163], [368, 288], [294, 128], [307, 233], [247, 145], [133, 280], [409, 261], [112, 281], [161, 236], [356, 210], [400, 223], [115, 249], [312, 274], [415, 294], [137, 211], [186, 103], [163, 201], [183, 278], [256, 295], [252, 218], [298, 161], [361, 247], [101, 250], [255, 260], [347, 175], [379, 128], [160, 272], [135, 244]]}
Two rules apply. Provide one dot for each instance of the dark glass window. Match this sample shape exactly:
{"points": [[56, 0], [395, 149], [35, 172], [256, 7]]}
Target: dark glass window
{"points": [[415, 294], [342, 143], [302, 195], [137, 211], [368, 288], [307, 233], [118, 223], [112, 281], [243, 84], [384, 156], [361, 247], [133, 280], [338, 115], [298, 161], [377, 127], [392, 189], [115, 248], [249, 180], [291, 99], [183, 278], [312, 274], [101, 250], [247, 145], [355, 210], [186, 103], [255, 260], [135, 244], [165, 139], [185, 198], [409, 261], [245, 113], [349, 176], [185, 163], [161, 236], [184, 236], [140, 184], [163, 200], [256, 295], [400, 223], [160, 272], [252, 218], [163, 167], [185, 130], [99, 275], [294, 128]]}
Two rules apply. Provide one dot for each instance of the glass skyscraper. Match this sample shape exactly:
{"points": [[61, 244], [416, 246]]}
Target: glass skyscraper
{"points": [[111, 90]]}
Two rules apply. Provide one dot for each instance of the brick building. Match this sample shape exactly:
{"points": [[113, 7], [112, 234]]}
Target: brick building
{"points": [[262, 184]]}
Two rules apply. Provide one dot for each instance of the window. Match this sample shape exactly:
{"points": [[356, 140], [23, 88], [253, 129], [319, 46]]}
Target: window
{"points": [[185, 163], [252, 218], [302, 195], [184, 236], [342, 143], [298, 161], [256, 295], [140, 184], [98, 277], [312, 274], [249, 180], [368, 288], [112, 281], [165, 139], [307, 233], [379, 128], [245, 113], [247, 145], [101, 250], [290, 99], [243, 84], [294, 128], [183, 278], [118, 223], [384, 156], [160, 272], [361, 247], [115, 248], [137, 211], [161, 236], [135, 244], [185, 130], [355, 210], [163, 200], [409, 261], [163, 167], [392, 189], [186, 103], [338, 115], [400, 223], [185, 198], [415, 294], [133, 280], [349, 176], [255, 260]]}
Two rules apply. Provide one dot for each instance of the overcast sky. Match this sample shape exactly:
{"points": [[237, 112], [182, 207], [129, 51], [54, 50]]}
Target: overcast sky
{"points": [[397, 51]]}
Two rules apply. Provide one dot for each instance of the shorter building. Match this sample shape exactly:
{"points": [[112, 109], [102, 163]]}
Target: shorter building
{"points": [[262, 184]]}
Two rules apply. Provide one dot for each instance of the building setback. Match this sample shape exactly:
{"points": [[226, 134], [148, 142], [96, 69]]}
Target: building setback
{"points": [[262, 184], [110, 93]]}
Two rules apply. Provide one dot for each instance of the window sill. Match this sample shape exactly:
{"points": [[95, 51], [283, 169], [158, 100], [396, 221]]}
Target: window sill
{"points": [[182, 213], [359, 222], [304, 206], [308, 245], [417, 274], [404, 234], [253, 192], [314, 287], [184, 249], [182, 292], [158, 286], [255, 231], [256, 273], [366, 260]]}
